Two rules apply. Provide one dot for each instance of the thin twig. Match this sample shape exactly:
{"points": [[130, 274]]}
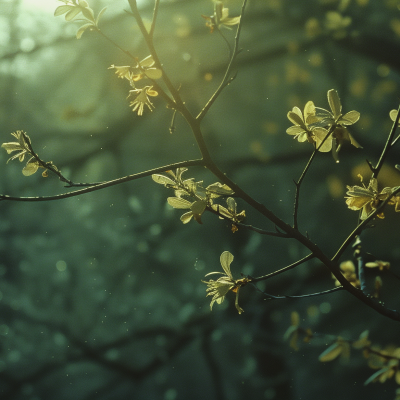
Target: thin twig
{"points": [[43, 164], [172, 124], [246, 226], [226, 41], [302, 176], [107, 183], [387, 147], [153, 22], [272, 297], [149, 41], [226, 80], [284, 269], [297, 194], [115, 44]]}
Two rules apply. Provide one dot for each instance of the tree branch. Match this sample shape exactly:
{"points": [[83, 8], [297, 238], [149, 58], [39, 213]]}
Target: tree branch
{"points": [[104, 185]]}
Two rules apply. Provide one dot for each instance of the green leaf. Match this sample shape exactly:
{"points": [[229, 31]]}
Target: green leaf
{"points": [[72, 13], [177, 202], [153, 73], [295, 119], [220, 189], [393, 115], [331, 352], [185, 218], [334, 102], [31, 167], [376, 375], [198, 207], [147, 62], [82, 29], [226, 260], [319, 134], [350, 118], [162, 180], [11, 146], [62, 10], [88, 13], [289, 332], [102, 11]]}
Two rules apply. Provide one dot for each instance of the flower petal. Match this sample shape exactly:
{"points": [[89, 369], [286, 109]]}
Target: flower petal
{"points": [[295, 130], [295, 118], [334, 102], [319, 136], [393, 115], [153, 73], [226, 260], [309, 110], [349, 118], [331, 352], [82, 29], [185, 218]]}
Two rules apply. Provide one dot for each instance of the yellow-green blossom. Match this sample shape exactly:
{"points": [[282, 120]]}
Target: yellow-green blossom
{"points": [[73, 8], [303, 130], [140, 97], [348, 270], [366, 199], [393, 115], [337, 24], [386, 361], [337, 122], [202, 197], [142, 69], [23, 147], [196, 208], [220, 17], [230, 212], [395, 200], [182, 187], [219, 288], [381, 265], [122, 71], [340, 348]]}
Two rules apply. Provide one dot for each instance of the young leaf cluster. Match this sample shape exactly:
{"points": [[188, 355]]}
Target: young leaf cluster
{"points": [[327, 130], [196, 198], [219, 288], [23, 147], [386, 361], [72, 8]]}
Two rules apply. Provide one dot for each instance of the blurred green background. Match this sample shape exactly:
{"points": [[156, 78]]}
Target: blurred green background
{"points": [[101, 295]]}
